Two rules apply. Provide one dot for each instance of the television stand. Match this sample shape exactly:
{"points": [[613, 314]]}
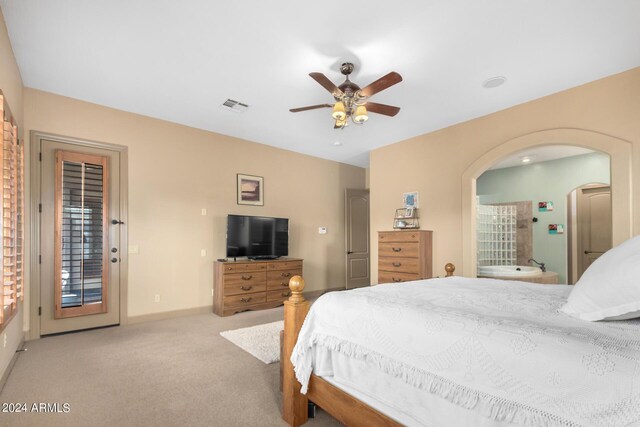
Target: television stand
{"points": [[252, 285]]}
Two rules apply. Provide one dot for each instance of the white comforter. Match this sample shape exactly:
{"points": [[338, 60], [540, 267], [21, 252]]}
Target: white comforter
{"points": [[497, 347]]}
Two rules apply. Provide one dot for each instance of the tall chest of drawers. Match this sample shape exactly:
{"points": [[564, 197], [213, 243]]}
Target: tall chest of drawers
{"points": [[404, 255], [252, 285]]}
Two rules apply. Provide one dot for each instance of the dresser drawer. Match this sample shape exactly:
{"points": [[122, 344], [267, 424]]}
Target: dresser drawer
{"points": [[399, 249], [279, 295], [252, 266], [399, 236], [245, 279], [244, 267], [399, 265], [244, 288], [229, 268], [389, 277], [280, 279], [285, 265], [245, 300]]}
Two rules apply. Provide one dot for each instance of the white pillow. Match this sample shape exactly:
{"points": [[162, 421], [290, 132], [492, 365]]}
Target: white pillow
{"points": [[610, 288]]}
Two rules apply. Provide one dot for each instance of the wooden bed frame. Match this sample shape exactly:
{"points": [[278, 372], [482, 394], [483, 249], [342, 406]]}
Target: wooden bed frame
{"points": [[341, 405]]}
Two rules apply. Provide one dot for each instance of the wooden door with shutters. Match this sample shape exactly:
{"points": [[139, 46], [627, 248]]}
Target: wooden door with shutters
{"points": [[80, 265], [593, 210], [357, 240]]}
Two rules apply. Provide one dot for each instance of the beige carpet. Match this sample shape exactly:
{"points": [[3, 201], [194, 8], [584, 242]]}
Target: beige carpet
{"points": [[166, 373]]}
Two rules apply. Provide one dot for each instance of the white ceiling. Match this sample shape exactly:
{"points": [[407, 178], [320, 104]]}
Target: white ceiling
{"points": [[179, 61], [541, 154]]}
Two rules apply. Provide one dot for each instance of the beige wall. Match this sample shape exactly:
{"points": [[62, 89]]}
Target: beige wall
{"points": [[11, 85], [435, 164], [175, 171]]}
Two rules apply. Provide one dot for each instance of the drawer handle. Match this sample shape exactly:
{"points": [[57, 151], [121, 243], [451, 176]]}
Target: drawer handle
{"points": [[246, 288], [396, 280], [246, 299], [396, 249], [247, 278], [284, 284], [286, 294], [397, 264], [285, 274], [229, 268]]}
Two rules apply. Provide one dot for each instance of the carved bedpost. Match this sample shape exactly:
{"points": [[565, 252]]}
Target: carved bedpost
{"points": [[294, 403], [449, 268]]}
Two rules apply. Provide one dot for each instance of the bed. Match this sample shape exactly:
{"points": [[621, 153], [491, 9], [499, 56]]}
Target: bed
{"points": [[457, 352]]}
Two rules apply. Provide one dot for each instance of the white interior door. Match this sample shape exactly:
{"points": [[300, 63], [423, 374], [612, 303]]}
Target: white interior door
{"points": [[357, 230], [594, 225]]}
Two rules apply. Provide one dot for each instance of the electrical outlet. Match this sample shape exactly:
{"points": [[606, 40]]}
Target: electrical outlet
{"points": [[322, 230], [211, 291], [157, 298], [204, 212], [203, 252]]}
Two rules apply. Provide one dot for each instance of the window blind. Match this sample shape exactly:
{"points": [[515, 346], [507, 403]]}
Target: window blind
{"points": [[12, 216], [81, 233]]}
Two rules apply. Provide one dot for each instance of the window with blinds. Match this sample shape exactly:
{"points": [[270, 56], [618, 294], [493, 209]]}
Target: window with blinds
{"points": [[12, 196], [81, 234]]}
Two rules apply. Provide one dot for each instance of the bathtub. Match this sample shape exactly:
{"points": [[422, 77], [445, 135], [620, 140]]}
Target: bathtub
{"points": [[509, 271]]}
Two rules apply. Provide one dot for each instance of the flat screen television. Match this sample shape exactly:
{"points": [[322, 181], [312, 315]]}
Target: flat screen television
{"points": [[257, 237]]}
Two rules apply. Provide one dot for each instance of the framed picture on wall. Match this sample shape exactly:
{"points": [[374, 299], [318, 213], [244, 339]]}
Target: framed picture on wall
{"points": [[250, 190], [556, 229], [545, 206]]}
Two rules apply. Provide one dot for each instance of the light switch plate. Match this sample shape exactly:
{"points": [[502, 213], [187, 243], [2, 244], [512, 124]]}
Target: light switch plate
{"points": [[133, 249], [322, 230], [203, 252], [204, 212]]}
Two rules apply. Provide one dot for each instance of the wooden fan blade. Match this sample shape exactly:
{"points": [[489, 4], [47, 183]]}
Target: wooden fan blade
{"points": [[311, 107], [381, 84], [387, 110], [326, 83]]}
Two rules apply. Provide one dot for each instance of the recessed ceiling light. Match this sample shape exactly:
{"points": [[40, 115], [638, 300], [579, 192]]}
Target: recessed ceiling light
{"points": [[337, 144], [525, 159], [494, 82]]}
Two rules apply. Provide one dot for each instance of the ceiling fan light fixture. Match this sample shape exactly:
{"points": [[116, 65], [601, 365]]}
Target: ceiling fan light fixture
{"points": [[361, 115], [350, 99], [339, 112], [342, 123]]}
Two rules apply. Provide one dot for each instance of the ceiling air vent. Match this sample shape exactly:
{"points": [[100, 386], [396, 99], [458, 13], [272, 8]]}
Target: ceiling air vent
{"points": [[233, 105]]}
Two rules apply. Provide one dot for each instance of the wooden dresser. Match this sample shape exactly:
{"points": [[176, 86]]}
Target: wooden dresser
{"points": [[252, 285], [404, 255]]}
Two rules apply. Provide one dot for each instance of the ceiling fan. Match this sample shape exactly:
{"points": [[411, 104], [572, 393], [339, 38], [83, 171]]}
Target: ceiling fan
{"points": [[351, 101]]}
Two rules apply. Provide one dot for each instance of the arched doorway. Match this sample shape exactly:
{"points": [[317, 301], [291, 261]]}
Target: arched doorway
{"points": [[619, 151]]}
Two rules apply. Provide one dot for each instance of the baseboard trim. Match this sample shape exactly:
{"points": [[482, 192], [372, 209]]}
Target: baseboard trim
{"points": [[205, 309], [12, 362], [170, 314]]}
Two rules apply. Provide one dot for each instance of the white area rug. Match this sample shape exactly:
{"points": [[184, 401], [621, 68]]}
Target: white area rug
{"points": [[261, 341]]}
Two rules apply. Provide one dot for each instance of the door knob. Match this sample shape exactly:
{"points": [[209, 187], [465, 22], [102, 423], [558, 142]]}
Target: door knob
{"points": [[116, 222], [349, 252], [114, 259], [114, 250]]}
